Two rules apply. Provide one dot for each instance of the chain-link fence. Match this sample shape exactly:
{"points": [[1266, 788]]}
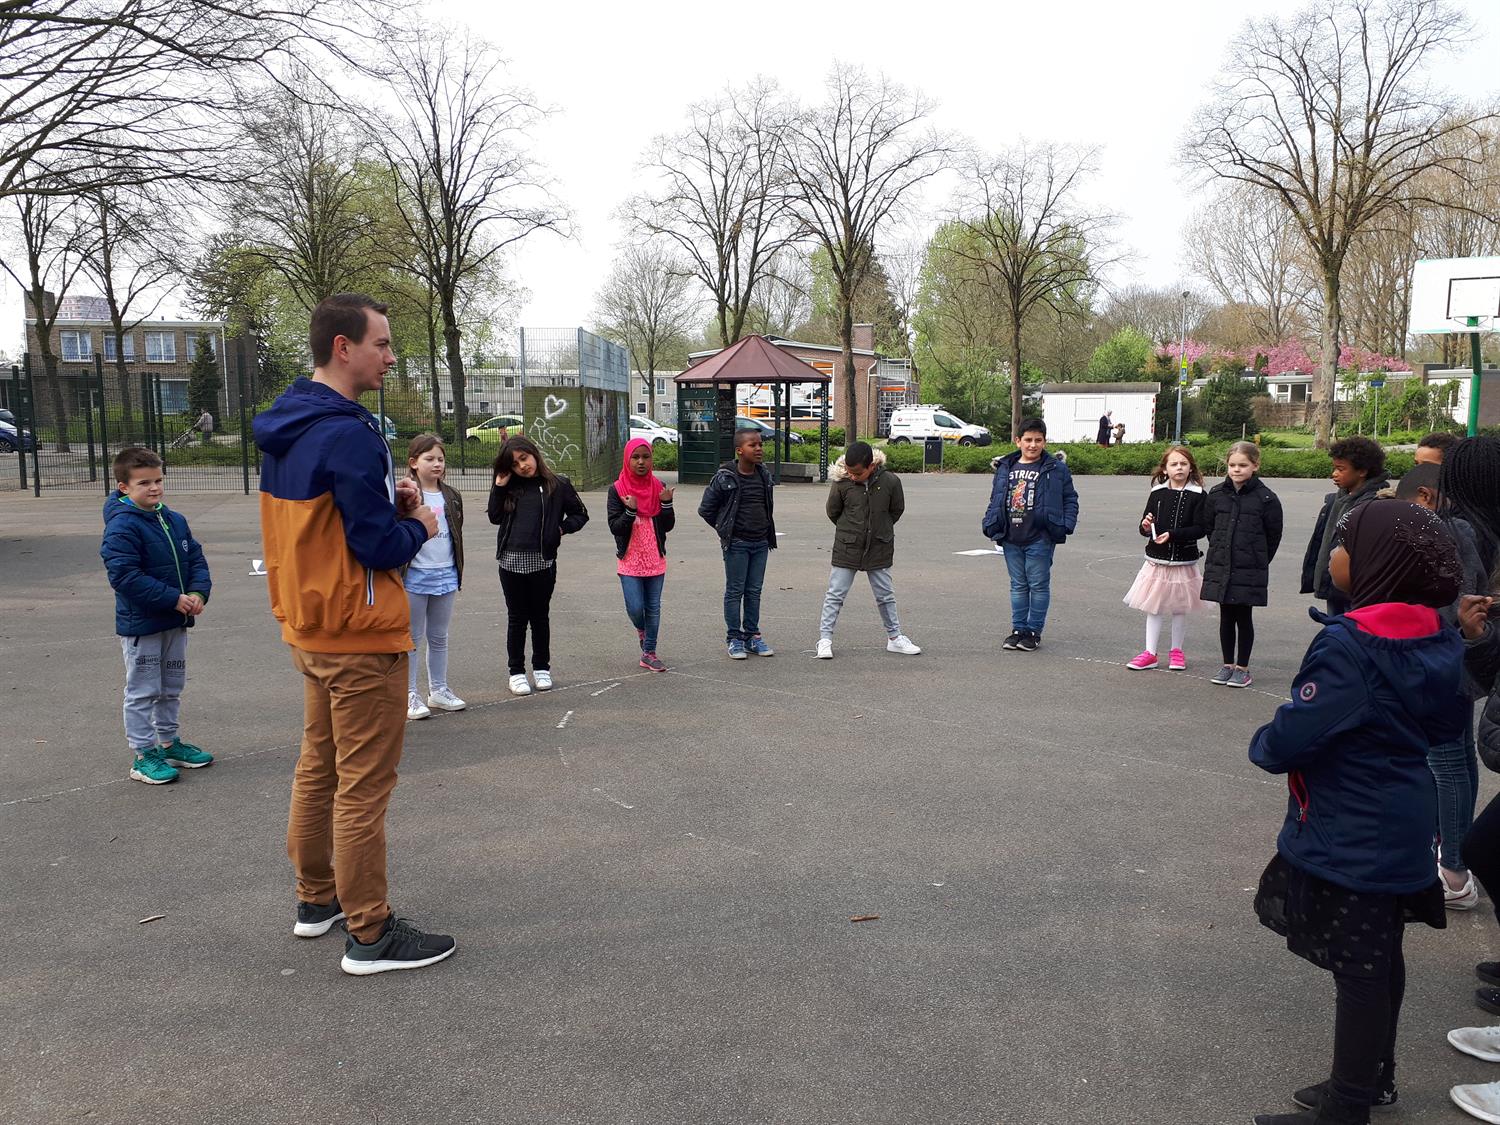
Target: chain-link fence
{"points": [[60, 428]]}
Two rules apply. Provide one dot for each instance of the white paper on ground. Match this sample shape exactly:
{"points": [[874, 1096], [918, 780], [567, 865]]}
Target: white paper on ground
{"points": [[258, 566]]}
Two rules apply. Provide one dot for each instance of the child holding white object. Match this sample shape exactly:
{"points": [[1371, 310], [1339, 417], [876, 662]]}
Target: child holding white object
{"points": [[1168, 583], [433, 578]]}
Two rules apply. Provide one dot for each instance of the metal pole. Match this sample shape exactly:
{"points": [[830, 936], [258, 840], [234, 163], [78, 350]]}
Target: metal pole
{"points": [[15, 398], [103, 421], [239, 375], [1182, 366], [1478, 365], [823, 435], [775, 438], [88, 424], [36, 437]]}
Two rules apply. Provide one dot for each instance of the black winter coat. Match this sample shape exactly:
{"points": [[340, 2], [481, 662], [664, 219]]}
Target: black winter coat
{"points": [[1244, 532], [721, 503], [1181, 511], [621, 521], [562, 514]]}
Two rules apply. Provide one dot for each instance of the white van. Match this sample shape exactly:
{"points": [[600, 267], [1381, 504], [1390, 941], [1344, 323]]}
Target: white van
{"points": [[914, 423]]}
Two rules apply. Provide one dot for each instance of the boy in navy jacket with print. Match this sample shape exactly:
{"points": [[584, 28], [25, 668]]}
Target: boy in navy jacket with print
{"points": [[161, 584]]}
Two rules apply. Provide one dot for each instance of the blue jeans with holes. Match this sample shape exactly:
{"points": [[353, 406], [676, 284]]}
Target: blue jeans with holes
{"points": [[744, 572], [1030, 567], [643, 606], [1455, 769]]}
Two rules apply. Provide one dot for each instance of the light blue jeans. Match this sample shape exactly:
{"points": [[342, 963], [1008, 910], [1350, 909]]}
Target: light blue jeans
{"points": [[431, 615], [1030, 567], [643, 606], [155, 673], [841, 581]]}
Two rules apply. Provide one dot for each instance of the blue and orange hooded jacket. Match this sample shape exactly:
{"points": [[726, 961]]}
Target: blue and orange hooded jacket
{"points": [[1378, 687], [332, 541]]}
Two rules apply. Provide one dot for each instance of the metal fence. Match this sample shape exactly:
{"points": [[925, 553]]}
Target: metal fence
{"points": [[70, 423]]}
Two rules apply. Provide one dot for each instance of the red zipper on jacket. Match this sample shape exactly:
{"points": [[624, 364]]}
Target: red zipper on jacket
{"points": [[1298, 788]]}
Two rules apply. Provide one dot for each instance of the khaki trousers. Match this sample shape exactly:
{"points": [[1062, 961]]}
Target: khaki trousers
{"points": [[354, 724]]}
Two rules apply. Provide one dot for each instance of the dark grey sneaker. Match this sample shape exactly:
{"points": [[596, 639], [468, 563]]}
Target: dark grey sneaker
{"points": [[1311, 1097], [400, 946], [1240, 677], [314, 920], [1012, 642], [1221, 677], [1029, 642]]}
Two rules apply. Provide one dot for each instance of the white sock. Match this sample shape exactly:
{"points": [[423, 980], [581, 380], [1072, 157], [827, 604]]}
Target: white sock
{"points": [[1179, 629], [1153, 632]]}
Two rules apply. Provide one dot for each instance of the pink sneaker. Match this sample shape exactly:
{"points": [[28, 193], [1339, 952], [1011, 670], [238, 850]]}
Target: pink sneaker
{"points": [[1142, 662], [1176, 662]]}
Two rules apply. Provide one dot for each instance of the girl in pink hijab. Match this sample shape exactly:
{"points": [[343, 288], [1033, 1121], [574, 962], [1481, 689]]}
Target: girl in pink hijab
{"points": [[639, 509]]}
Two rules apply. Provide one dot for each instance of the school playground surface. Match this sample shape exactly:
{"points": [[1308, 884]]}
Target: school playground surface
{"points": [[652, 878]]}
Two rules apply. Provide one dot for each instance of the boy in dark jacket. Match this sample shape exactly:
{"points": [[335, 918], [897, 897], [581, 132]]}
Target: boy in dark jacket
{"points": [[737, 504], [1033, 507], [161, 584], [1359, 474], [864, 502]]}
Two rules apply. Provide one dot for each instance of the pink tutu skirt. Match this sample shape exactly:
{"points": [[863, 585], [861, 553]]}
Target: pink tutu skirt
{"points": [[1166, 589]]}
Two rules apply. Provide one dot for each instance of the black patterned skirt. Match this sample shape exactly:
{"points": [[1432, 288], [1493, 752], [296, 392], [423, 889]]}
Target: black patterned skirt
{"points": [[1343, 931]]}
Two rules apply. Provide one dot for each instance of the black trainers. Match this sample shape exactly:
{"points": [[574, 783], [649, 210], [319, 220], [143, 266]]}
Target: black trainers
{"points": [[1029, 642], [1488, 999], [314, 920], [400, 946], [1013, 641], [1311, 1097], [1488, 971]]}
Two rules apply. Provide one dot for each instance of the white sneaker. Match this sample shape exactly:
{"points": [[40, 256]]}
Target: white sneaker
{"points": [[415, 708], [445, 700], [1481, 1042], [1481, 1101], [1465, 899], [543, 679], [902, 645], [825, 648], [520, 685]]}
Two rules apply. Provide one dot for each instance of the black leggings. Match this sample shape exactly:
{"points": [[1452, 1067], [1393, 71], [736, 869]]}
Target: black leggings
{"points": [[1481, 850], [528, 599], [1364, 1028], [1235, 619]]}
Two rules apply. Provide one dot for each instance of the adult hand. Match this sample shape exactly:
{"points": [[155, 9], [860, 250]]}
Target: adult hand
{"points": [[666, 496], [427, 517], [1473, 611], [501, 479], [408, 496], [630, 503]]}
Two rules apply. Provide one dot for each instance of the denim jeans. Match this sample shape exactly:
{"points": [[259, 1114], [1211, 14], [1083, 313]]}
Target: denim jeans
{"points": [[1030, 567], [744, 571], [1456, 771], [643, 605], [841, 581]]}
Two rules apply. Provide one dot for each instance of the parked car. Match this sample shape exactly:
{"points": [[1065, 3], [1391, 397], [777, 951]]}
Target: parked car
{"points": [[489, 429], [767, 433], [11, 436], [387, 427], [914, 423], [654, 432]]}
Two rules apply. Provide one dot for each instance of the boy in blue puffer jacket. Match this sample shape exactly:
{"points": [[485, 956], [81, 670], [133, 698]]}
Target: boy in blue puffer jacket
{"points": [[161, 584], [1355, 862]]}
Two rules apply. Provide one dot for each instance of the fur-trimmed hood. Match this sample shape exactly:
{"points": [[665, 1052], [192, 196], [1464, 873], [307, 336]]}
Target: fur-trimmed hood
{"points": [[840, 471]]}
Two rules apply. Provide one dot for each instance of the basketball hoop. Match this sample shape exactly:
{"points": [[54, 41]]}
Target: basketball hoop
{"points": [[1457, 295]]}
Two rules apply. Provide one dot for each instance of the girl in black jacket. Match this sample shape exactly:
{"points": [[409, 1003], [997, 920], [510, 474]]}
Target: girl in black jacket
{"points": [[1244, 531], [1168, 582], [534, 508]]}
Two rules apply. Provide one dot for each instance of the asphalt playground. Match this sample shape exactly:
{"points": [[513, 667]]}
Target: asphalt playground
{"points": [[652, 879]]}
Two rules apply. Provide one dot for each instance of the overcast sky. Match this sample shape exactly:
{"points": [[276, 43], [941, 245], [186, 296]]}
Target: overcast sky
{"points": [[1096, 72]]}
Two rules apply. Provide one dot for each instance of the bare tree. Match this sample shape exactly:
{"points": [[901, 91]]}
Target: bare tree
{"points": [[1162, 314], [466, 186], [721, 197], [129, 257], [1249, 249], [51, 257], [855, 162], [783, 301], [644, 307], [1040, 246], [1329, 113]]}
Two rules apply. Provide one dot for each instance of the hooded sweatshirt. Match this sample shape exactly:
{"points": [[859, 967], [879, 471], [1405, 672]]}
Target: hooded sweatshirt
{"points": [[332, 541]]}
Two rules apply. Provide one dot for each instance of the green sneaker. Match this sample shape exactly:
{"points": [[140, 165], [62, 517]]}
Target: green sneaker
{"points": [[152, 768], [186, 755]]}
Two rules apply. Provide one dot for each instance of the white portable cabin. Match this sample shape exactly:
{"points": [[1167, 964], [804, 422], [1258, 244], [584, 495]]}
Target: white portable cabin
{"points": [[1072, 410]]}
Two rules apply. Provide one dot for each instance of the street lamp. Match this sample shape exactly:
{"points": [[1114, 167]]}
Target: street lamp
{"points": [[1182, 364]]}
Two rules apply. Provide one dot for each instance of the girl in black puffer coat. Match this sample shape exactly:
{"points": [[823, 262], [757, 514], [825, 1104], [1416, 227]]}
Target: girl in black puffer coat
{"points": [[1244, 532], [1167, 584]]}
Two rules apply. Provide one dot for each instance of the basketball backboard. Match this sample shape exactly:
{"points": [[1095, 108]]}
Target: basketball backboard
{"points": [[1446, 292]]}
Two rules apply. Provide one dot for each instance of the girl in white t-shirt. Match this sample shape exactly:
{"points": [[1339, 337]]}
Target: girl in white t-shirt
{"points": [[433, 578]]}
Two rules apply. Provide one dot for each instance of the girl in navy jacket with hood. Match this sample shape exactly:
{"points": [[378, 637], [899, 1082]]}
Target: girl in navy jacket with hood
{"points": [[1355, 861]]}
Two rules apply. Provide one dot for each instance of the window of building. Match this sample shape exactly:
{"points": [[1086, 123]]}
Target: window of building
{"points": [[509, 382], [76, 346], [192, 343], [448, 405], [161, 347], [640, 408], [109, 347], [174, 396], [661, 386]]}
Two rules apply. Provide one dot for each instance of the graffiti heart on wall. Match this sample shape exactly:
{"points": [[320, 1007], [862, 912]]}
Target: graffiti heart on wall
{"points": [[553, 441]]}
